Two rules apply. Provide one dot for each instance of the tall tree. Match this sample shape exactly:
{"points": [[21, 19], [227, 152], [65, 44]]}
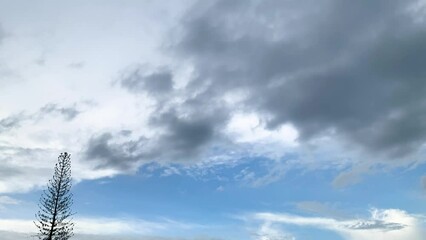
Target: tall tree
{"points": [[54, 217]]}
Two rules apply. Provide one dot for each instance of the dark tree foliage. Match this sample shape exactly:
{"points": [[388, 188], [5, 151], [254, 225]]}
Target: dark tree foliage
{"points": [[54, 217]]}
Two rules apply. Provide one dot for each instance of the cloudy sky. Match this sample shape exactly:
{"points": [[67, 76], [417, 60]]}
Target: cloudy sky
{"points": [[217, 120]]}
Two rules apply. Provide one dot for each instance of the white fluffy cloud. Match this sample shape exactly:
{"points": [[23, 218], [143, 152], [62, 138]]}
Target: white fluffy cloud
{"points": [[269, 232], [56, 81]]}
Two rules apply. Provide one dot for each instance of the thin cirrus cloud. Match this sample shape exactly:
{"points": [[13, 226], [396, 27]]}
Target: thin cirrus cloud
{"points": [[6, 200], [51, 109], [69, 113]]}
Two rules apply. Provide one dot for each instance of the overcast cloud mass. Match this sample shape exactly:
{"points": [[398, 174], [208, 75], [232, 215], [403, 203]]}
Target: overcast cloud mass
{"points": [[241, 94]]}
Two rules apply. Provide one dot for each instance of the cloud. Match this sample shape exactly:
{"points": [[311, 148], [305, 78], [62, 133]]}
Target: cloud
{"points": [[303, 74], [18, 172], [122, 156], [2, 34], [180, 139], [6, 235], [423, 182], [77, 65], [54, 122], [6, 200], [23, 156], [11, 122], [337, 85], [186, 137], [21, 236], [351, 176], [158, 82], [24, 169], [339, 69], [111, 228], [94, 237], [15, 121], [69, 113], [275, 170], [318, 208], [269, 232], [391, 224], [184, 126]]}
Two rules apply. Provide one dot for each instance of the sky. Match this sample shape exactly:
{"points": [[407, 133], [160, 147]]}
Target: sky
{"points": [[217, 120]]}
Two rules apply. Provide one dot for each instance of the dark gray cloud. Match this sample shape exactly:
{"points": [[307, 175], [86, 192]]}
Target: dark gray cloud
{"points": [[180, 138], [186, 130], [186, 137], [107, 154], [11, 122], [16, 121], [351, 68], [69, 113], [157, 82], [376, 224]]}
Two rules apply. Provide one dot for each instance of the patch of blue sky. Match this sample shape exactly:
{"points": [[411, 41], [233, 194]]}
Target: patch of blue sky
{"points": [[184, 196], [210, 198]]}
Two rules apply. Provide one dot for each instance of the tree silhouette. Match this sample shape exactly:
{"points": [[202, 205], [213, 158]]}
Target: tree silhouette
{"points": [[54, 217]]}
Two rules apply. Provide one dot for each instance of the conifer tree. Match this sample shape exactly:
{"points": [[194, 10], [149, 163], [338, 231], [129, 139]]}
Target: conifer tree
{"points": [[54, 216]]}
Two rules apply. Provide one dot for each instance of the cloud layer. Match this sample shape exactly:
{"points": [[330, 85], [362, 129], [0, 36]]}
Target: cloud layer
{"points": [[331, 84], [101, 228], [349, 70], [350, 73]]}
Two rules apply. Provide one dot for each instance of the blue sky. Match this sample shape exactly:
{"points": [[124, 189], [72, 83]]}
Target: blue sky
{"points": [[202, 120]]}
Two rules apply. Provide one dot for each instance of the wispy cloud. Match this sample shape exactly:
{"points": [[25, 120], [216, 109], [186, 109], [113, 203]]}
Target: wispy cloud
{"points": [[17, 120], [110, 227], [391, 224], [69, 113], [6, 200], [322, 209], [423, 182]]}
